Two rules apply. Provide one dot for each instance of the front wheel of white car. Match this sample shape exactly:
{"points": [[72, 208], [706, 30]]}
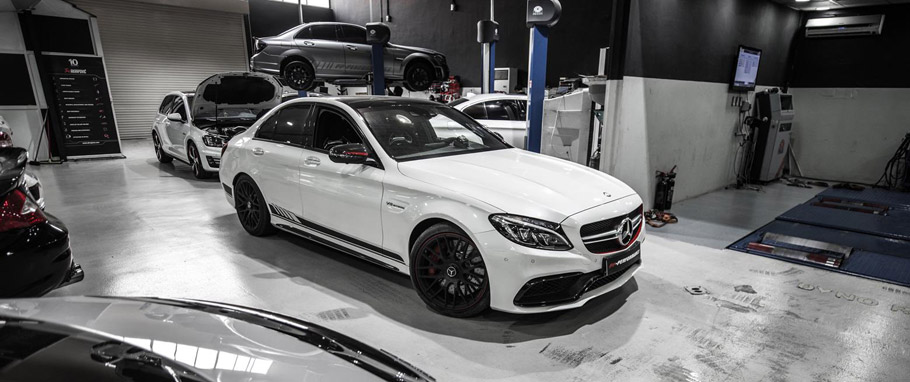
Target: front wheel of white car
{"points": [[449, 273], [159, 151]]}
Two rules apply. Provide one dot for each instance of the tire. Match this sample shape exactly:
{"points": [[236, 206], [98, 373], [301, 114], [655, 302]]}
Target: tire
{"points": [[252, 210], [196, 162], [449, 273], [418, 76], [159, 151], [299, 75]]}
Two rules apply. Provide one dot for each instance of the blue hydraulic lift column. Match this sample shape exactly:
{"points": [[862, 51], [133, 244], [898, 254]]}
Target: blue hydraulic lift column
{"points": [[541, 15], [378, 35]]}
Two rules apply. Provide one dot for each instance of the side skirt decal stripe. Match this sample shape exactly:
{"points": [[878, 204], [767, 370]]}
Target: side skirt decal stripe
{"points": [[330, 244], [280, 213]]}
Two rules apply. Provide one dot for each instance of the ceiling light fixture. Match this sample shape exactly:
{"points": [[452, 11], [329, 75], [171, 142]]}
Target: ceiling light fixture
{"points": [[822, 9]]}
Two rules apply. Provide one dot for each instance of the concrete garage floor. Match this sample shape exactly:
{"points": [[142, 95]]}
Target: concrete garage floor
{"points": [[144, 229]]}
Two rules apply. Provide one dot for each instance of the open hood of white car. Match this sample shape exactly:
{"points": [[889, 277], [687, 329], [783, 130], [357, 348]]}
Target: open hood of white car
{"points": [[520, 182], [234, 98]]}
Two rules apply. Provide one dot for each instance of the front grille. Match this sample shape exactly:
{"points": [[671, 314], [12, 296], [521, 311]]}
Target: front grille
{"points": [[603, 236], [558, 289]]}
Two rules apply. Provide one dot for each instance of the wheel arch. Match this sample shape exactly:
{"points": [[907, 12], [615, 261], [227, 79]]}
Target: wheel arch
{"points": [[417, 57]]}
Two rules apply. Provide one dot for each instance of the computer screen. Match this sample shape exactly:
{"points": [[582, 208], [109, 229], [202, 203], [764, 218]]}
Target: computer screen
{"points": [[746, 68]]}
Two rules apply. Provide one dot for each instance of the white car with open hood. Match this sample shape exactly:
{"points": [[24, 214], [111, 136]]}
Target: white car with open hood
{"points": [[425, 190], [193, 126]]}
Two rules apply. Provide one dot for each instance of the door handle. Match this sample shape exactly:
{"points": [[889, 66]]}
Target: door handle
{"points": [[258, 151], [311, 161], [309, 43], [351, 47]]}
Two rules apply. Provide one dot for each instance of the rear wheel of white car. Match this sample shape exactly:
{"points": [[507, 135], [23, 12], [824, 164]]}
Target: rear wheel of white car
{"points": [[449, 273], [159, 151], [418, 76], [196, 162], [251, 208], [299, 75]]}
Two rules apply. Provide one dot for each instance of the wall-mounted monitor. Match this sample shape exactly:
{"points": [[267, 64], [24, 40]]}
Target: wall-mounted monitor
{"points": [[747, 60]]}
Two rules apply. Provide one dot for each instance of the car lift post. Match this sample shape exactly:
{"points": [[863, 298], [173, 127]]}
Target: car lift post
{"points": [[541, 15], [487, 36], [378, 35]]}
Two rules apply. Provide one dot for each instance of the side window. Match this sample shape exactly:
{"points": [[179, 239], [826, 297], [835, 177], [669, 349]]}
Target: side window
{"points": [[476, 111], [267, 128], [290, 125], [304, 34], [166, 104], [353, 34], [332, 129], [324, 32], [179, 108], [497, 110]]}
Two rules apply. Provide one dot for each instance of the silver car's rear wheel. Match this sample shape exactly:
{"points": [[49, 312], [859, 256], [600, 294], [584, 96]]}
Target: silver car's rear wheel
{"points": [[299, 75]]}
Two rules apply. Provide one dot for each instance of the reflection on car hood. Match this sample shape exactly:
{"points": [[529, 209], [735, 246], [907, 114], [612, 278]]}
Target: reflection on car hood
{"points": [[216, 342], [520, 182]]}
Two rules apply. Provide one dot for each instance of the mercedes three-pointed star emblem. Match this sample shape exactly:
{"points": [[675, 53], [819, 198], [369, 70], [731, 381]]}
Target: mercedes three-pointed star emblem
{"points": [[625, 231]]}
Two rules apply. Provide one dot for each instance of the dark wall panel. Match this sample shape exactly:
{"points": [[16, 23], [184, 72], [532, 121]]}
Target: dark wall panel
{"points": [[57, 34], [574, 42], [697, 40], [17, 85], [870, 61], [269, 17]]}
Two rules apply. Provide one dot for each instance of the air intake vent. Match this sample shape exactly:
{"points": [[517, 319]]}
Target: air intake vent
{"points": [[845, 26]]}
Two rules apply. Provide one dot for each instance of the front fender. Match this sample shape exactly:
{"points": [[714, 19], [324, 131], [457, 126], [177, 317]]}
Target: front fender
{"points": [[404, 210]]}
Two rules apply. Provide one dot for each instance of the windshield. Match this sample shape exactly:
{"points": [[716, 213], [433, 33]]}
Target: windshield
{"points": [[408, 131]]}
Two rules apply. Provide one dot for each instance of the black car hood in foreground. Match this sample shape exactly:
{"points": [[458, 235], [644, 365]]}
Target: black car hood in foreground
{"points": [[150, 339]]}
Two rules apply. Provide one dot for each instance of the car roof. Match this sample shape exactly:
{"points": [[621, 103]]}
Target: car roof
{"points": [[364, 101], [485, 97]]}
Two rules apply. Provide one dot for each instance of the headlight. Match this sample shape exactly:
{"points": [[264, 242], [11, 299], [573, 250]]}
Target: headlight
{"points": [[439, 58], [213, 140], [531, 232]]}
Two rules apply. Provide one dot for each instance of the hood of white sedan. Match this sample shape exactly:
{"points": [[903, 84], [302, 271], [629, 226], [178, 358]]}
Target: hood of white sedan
{"points": [[520, 182]]}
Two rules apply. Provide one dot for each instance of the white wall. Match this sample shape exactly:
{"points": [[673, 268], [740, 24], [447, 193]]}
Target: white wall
{"points": [[848, 134], [662, 123]]}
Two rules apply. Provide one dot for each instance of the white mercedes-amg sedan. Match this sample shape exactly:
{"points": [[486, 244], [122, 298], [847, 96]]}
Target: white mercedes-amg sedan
{"points": [[425, 190]]}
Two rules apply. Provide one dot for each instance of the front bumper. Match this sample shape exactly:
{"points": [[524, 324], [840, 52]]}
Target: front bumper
{"points": [[528, 280], [512, 268], [211, 158]]}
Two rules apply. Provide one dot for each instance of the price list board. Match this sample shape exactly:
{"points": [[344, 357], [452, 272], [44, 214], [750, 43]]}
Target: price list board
{"points": [[83, 103]]}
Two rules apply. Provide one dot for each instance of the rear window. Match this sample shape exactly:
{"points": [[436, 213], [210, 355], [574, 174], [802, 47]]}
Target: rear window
{"points": [[240, 91]]}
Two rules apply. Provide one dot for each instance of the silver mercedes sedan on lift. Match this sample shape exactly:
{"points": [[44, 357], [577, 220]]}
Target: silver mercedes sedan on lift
{"points": [[334, 51]]}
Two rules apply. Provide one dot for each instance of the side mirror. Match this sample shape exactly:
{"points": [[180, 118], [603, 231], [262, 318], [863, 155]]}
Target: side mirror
{"points": [[174, 117], [350, 153]]}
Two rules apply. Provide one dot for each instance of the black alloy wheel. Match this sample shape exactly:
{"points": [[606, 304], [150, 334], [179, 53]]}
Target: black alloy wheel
{"points": [[196, 163], [159, 151], [251, 208], [449, 273], [418, 76], [299, 75]]}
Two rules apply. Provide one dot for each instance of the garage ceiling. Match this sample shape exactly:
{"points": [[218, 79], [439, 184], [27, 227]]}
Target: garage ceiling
{"points": [[835, 4]]}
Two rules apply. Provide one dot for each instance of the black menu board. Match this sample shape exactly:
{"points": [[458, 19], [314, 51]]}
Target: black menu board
{"points": [[83, 106]]}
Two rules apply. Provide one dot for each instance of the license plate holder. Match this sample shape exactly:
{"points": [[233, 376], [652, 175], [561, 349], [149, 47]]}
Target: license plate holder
{"points": [[618, 262]]}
